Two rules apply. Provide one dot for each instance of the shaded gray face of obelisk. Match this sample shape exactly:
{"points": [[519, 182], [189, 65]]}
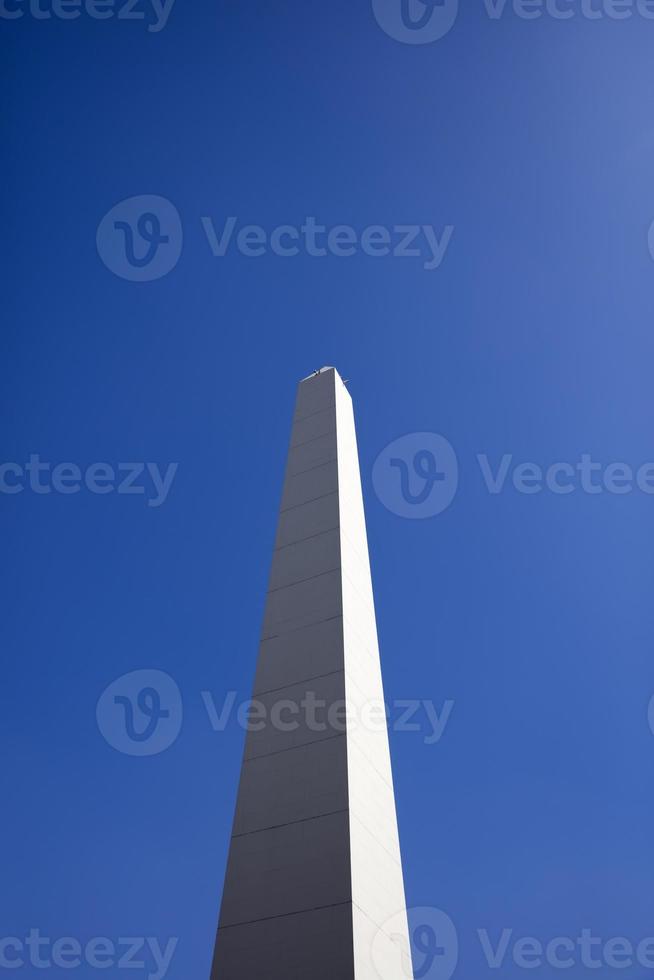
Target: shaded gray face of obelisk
{"points": [[313, 887]]}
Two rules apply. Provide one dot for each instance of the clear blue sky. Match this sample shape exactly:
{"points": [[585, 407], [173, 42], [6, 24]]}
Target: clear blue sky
{"points": [[532, 613]]}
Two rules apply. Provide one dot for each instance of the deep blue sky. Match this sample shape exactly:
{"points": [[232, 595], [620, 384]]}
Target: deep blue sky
{"points": [[535, 140]]}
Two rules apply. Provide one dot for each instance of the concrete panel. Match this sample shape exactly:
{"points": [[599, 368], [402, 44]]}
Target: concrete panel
{"points": [[311, 454], [305, 559], [358, 572], [298, 714], [300, 655], [313, 945], [303, 604], [377, 881], [288, 869], [313, 427], [305, 782], [372, 945], [306, 520], [376, 875], [317, 395], [310, 485], [371, 800]]}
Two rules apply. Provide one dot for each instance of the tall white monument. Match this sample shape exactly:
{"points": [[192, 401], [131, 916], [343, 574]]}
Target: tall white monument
{"points": [[314, 887]]}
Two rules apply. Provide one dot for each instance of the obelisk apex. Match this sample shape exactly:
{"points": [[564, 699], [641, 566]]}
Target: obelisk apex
{"points": [[314, 871]]}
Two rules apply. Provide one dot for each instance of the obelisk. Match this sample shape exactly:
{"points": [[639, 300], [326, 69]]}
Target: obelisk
{"points": [[314, 874]]}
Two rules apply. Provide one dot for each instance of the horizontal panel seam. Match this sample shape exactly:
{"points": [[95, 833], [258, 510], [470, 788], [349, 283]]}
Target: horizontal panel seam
{"points": [[291, 823], [285, 915], [285, 510], [296, 445], [309, 537], [289, 585], [307, 626], [291, 748], [307, 680]]}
